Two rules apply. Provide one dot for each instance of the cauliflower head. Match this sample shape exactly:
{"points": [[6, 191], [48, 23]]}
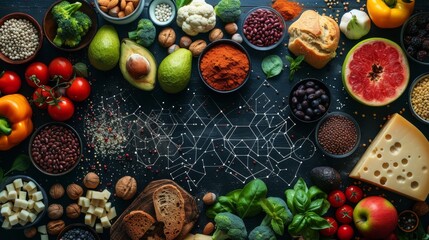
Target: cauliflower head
{"points": [[196, 17]]}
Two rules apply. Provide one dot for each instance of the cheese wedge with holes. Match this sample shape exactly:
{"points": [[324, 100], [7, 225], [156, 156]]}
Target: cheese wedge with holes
{"points": [[397, 160]]}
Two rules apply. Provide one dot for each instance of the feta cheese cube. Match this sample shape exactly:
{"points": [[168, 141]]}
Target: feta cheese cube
{"points": [[105, 222], [98, 228], [112, 213], [17, 183], [3, 196], [12, 195], [39, 206], [37, 196], [30, 186]]}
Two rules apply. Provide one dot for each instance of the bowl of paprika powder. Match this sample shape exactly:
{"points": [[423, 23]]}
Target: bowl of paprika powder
{"points": [[224, 66]]}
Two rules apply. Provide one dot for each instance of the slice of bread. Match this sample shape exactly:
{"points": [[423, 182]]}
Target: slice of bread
{"points": [[137, 223], [170, 209]]}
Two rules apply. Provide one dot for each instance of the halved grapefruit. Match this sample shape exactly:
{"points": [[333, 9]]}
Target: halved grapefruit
{"points": [[375, 72]]}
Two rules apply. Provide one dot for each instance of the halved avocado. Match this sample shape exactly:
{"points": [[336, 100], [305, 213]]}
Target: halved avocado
{"points": [[144, 82]]}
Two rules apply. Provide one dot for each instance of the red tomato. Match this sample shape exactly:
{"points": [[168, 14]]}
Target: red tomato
{"points": [[354, 194], [37, 70], [344, 214], [336, 198], [61, 67], [62, 111], [345, 232], [327, 232], [41, 96], [10, 82], [79, 89]]}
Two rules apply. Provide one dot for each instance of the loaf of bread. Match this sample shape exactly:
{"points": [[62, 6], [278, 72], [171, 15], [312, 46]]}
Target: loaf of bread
{"points": [[314, 36], [137, 223], [170, 209]]}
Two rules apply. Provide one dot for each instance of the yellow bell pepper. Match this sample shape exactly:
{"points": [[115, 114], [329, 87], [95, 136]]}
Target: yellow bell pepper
{"points": [[389, 13], [15, 120]]}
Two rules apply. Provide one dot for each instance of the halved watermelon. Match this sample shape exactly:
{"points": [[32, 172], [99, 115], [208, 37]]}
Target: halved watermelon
{"points": [[375, 72]]}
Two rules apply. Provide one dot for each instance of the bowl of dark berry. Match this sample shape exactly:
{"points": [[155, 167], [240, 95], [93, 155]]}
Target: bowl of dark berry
{"points": [[22, 38], [408, 221], [263, 28], [415, 37], [55, 148], [78, 231], [337, 135], [309, 100]]}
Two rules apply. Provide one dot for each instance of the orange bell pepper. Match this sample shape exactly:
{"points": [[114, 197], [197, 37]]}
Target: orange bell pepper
{"points": [[389, 13], [15, 120]]}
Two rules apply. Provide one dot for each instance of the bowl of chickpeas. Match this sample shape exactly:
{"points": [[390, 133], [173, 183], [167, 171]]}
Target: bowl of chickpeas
{"points": [[22, 38], [419, 98]]}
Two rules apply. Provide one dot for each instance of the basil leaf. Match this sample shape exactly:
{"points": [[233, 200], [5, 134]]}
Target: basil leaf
{"points": [[301, 201], [81, 69], [316, 205], [300, 184], [234, 195], [290, 194], [297, 224], [181, 3], [309, 233], [316, 222], [21, 163], [314, 192], [272, 65], [325, 207], [278, 226], [248, 202]]}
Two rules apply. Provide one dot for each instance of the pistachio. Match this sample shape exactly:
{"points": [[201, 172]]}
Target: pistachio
{"points": [[137, 66], [167, 37], [215, 34]]}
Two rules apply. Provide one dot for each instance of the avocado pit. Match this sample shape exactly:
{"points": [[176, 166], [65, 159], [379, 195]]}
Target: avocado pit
{"points": [[137, 65]]}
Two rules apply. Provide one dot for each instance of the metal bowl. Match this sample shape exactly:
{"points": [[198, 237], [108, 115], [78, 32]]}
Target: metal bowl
{"points": [[41, 214], [124, 20], [20, 15], [50, 26], [152, 7]]}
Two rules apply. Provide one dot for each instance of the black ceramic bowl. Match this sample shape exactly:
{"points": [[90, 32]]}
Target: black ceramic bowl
{"points": [[68, 152], [308, 105], [210, 48], [338, 142], [41, 214], [419, 80], [410, 34], [80, 227]]}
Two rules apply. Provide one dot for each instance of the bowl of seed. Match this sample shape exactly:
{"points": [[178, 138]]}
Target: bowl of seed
{"points": [[55, 148], [337, 135], [21, 38], [419, 98], [162, 12]]}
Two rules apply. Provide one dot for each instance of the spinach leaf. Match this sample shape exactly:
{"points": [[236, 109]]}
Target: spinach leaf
{"points": [[301, 201], [181, 3], [314, 192], [316, 222], [300, 184], [272, 65], [223, 204], [234, 194], [297, 224], [248, 202], [81, 69], [290, 194], [21, 163]]}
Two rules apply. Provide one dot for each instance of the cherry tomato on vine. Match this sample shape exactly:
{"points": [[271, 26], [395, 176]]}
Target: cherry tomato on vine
{"points": [[336, 198], [37, 70], [10, 82], [354, 193], [328, 232], [41, 97], [344, 214], [61, 67], [345, 232], [79, 89], [61, 111]]}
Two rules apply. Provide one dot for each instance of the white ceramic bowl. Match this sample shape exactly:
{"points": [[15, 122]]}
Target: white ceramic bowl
{"points": [[125, 20], [152, 7]]}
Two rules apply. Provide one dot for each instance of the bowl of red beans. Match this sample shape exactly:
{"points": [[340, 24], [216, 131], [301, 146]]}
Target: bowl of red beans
{"points": [[263, 28]]}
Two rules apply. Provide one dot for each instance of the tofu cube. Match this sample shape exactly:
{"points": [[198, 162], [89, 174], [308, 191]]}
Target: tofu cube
{"points": [[112, 213], [90, 220], [106, 194], [31, 217], [29, 186], [37, 196], [89, 194], [97, 195], [105, 222], [22, 195], [98, 228], [10, 188], [6, 211], [84, 202], [107, 206], [42, 229], [91, 209], [23, 215], [30, 204], [3, 196], [17, 183], [39, 206], [22, 222], [12, 195], [13, 219], [99, 212], [6, 224], [21, 203], [94, 202]]}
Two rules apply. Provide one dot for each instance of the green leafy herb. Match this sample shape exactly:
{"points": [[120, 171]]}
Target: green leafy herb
{"points": [[81, 69], [248, 202], [272, 65], [181, 3], [223, 204], [21, 163], [294, 65], [277, 214]]}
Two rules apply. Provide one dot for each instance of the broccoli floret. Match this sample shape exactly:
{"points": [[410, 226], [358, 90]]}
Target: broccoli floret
{"points": [[262, 233], [144, 34], [84, 22], [65, 9], [228, 10], [229, 226]]}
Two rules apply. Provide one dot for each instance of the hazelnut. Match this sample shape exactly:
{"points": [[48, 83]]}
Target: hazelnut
{"points": [[126, 187], [231, 28], [55, 227], [173, 48], [56, 191], [73, 211], [137, 66], [197, 47], [209, 228], [55, 211], [237, 38], [167, 37], [215, 34], [74, 191], [185, 42], [30, 232], [209, 198], [91, 180], [421, 208]]}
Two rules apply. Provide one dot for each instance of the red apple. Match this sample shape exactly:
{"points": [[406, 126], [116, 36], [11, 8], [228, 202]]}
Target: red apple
{"points": [[375, 217]]}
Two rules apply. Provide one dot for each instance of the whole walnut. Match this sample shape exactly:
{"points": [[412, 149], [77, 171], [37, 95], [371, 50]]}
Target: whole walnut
{"points": [[126, 187], [55, 227], [74, 191], [56, 191], [73, 211], [55, 211], [91, 180], [167, 37]]}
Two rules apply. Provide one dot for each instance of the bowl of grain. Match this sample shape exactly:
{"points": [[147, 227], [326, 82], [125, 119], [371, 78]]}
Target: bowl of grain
{"points": [[419, 98], [22, 38]]}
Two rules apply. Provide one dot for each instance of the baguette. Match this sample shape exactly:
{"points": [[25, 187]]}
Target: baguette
{"points": [[314, 36], [170, 209], [137, 223]]}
